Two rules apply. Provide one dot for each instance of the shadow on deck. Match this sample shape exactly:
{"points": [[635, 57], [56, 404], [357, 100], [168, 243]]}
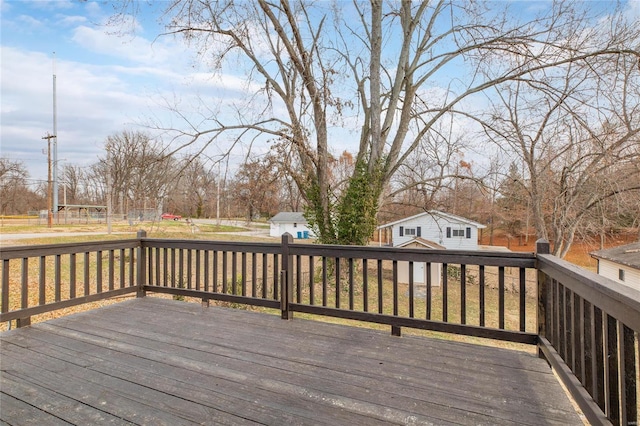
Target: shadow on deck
{"points": [[157, 361]]}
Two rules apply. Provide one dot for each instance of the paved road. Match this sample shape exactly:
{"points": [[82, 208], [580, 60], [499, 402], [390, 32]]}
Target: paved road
{"points": [[253, 230], [10, 238]]}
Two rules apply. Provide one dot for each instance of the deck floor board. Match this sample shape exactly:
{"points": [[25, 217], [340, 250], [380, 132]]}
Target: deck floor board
{"points": [[158, 361]]}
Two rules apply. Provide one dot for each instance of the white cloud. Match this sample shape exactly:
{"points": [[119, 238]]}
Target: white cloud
{"points": [[71, 20], [101, 40], [29, 21], [93, 8], [53, 5], [225, 82], [92, 103], [105, 84], [632, 11]]}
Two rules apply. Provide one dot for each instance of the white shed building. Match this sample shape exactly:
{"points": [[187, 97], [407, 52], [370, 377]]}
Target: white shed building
{"points": [[420, 269], [292, 222]]}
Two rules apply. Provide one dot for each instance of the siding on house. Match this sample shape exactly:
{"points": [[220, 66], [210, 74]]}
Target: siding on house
{"points": [[624, 258], [611, 270], [292, 222], [452, 232]]}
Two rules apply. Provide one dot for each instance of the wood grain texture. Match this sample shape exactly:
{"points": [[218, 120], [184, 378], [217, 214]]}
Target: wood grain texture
{"points": [[157, 361]]}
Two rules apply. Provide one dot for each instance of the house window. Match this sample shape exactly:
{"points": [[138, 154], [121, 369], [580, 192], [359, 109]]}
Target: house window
{"points": [[457, 232], [414, 232], [621, 274], [460, 233]]}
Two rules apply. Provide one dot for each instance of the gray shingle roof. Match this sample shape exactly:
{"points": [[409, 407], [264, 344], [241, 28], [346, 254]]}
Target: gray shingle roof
{"points": [[443, 215], [288, 217], [628, 254]]}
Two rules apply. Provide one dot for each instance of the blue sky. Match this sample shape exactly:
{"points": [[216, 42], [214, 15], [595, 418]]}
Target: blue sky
{"points": [[106, 82]]}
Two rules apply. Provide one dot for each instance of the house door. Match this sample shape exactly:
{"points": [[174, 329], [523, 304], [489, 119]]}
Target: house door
{"points": [[419, 274]]}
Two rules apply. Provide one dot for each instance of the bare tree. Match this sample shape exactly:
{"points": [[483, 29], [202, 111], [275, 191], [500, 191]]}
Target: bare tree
{"points": [[74, 185], [436, 167], [574, 131], [256, 189], [194, 189], [314, 64], [140, 172], [15, 195]]}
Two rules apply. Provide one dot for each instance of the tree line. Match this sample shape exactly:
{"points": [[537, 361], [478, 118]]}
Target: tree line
{"points": [[139, 175]]}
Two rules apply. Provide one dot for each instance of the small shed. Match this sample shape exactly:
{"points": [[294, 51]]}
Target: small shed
{"points": [[292, 222], [621, 264], [420, 268]]}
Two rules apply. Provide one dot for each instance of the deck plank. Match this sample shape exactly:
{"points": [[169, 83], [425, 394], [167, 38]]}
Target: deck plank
{"points": [[20, 412], [158, 361], [367, 371], [45, 400]]}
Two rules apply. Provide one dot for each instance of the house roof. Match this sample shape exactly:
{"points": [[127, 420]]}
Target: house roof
{"points": [[447, 216], [288, 217], [423, 242], [628, 254]]}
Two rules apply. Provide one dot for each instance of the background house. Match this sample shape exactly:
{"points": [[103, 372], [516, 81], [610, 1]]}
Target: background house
{"points": [[621, 264], [431, 230], [448, 230], [291, 222]]}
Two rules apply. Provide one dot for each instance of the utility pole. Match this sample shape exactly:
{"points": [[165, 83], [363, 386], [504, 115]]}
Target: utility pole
{"points": [[55, 143], [49, 189]]}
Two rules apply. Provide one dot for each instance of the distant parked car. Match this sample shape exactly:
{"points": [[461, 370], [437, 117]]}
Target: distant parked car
{"points": [[169, 216]]}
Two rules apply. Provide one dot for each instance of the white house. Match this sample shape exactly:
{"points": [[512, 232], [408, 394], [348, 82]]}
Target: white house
{"points": [[291, 222], [448, 230], [621, 264], [431, 230]]}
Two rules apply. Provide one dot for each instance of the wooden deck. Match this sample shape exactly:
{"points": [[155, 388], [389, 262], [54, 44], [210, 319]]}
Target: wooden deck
{"points": [[155, 361]]}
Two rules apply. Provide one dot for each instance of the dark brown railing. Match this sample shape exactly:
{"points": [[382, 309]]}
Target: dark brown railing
{"points": [[45, 278], [585, 325], [480, 294], [588, 330]]}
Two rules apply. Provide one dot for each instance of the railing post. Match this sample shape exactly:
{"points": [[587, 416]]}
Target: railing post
{"points": [[286, 295], [23, 322], [542, 247], [141, 265]]}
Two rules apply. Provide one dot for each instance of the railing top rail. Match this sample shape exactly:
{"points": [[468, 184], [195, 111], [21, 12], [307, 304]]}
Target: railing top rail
{"points": [[19, 252], [239, 246], [619, 301], [479, 257]]}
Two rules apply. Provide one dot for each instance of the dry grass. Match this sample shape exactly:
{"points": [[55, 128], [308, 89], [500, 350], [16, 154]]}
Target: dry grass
{"points": [[167, 229]]}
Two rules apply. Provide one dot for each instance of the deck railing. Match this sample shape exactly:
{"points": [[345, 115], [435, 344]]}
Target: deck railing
{"points": [[41, 279], [585, 325], [588, 329]]}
